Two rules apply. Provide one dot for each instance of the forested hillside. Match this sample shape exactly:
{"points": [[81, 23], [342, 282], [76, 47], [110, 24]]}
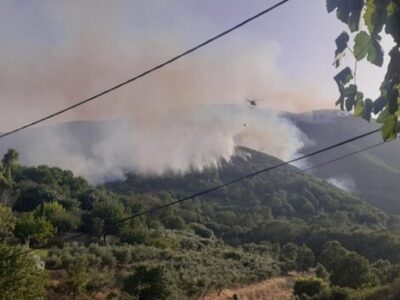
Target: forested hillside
{"points": [[269, 225], [373, 175]]}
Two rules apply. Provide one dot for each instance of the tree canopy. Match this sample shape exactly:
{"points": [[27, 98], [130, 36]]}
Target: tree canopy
{"points": [[21, 276], [378, 16]]}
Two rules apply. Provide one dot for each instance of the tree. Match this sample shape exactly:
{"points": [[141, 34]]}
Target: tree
{"points": [[10, 161], [7, 221], [58, 216], [29, 227], [288, 257], [148, 283], [21, 276], [346, 268], [4, 182], [351, 271], [305, 258], [321, 272], [331, 252], [308, 287], [77, 277], [106, 213], [377, 15], [134, 233]]}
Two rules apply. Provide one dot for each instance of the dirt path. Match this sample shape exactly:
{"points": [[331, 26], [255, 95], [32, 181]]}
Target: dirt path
{"points": [[272, 289]]}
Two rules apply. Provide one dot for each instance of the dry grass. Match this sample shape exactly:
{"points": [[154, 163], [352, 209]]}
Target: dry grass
{"points": [[279, 288]]}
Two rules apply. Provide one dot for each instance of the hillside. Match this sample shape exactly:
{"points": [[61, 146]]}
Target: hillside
{"points": [[372, 175], [259, 228], [277, 206]]}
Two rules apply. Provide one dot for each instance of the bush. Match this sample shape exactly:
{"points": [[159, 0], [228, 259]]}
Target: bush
{"points": [[174, 222], [53, 262], [123, 255], [202, 230], [338, 293], [309, 286], [108, 259], [148, 283], [321, 272], [134, 234]]}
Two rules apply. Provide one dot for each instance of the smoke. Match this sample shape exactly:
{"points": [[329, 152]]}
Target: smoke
{"points": [[190, 114], [345, 183]]}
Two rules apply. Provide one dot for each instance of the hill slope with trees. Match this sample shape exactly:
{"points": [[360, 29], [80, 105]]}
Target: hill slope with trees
{"points": [[372, 175], [266, 226]]}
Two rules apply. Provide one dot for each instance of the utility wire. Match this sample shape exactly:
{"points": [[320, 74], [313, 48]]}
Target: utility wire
{"points": [[145, 73], [339, 158], [218, 187], [155, 209]]}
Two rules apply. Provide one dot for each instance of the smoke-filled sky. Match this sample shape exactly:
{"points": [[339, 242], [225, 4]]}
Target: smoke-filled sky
{"points": [[55, 53]]}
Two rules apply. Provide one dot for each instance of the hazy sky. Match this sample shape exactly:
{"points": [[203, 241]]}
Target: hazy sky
{"points": [[57, 52]]}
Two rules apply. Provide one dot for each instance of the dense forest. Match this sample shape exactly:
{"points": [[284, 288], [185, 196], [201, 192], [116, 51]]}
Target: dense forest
{"points": [[62, 238]]}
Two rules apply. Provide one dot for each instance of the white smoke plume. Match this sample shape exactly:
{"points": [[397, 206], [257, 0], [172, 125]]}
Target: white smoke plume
{"points": [[345, 183], [190, 114]]}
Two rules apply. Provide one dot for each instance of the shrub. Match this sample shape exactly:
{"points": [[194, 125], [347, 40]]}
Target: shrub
{"points": [[309, 286], [202, 231], [123, 255], [148, 283]]}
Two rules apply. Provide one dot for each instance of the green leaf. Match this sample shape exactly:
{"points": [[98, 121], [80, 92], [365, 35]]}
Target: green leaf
{"points": [[368, 106], [379, 104], [341, 45], [393, 20], [359, 109], [350, 94], [331, 5], [383, 116], [375, 15], [366, 46], [340, 101], [389, 128], [348, 11], [355, 15], [344, 76], [351, 91]]}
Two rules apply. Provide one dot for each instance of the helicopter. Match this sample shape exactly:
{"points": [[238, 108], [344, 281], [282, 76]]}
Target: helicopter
{"points": [[253, 102]]}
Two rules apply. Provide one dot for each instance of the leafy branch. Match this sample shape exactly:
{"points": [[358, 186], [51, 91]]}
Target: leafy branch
{"points": [[378, 16]]}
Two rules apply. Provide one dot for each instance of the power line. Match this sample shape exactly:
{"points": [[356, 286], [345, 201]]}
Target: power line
{"points": [[145, 73], [218, 187], [268, 169], [340, 158]]}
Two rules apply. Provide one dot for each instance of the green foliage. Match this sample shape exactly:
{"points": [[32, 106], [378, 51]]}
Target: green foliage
{"points": [[366, 46], [77, 277], [21, 276], [308, 287], [387, 292], [10, 162], [58, 216], [134, 234], [321, 272], [377, 15], [7, 222], [29, 227], [173, 222], [231, 237], [305, 258], [346, 268], [202, 230], [148, 284], [104, 216]]}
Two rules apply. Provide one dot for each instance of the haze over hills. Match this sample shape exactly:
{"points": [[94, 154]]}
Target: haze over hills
{"points": [[84, 146], [374, 175]]}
